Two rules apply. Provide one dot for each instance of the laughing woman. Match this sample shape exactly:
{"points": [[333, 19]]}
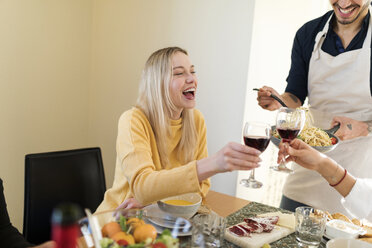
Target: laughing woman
{"points": [[161, 144]]}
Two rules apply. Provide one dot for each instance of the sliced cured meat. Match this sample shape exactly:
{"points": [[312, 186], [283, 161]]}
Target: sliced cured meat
{"points": [[246, 228], [254, 225], [239, 230], [266, 220], [267, 227]]}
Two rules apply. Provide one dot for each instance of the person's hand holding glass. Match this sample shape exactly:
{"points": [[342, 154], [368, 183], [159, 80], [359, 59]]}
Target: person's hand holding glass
{"points": [[256, 135], [289, 123]]}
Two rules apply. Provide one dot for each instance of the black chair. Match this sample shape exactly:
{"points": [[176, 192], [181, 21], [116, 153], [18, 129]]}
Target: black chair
{"points": [[75, 176]]}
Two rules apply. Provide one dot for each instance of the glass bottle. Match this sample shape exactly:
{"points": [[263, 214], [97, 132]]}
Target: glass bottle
{"points": [[65, 229]]}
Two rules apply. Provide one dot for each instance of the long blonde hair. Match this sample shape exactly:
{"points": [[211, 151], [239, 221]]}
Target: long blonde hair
{"points": [[155, 101]]}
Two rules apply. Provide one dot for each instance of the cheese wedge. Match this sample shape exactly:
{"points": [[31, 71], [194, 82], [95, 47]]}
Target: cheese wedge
{"points": [[285, 220]]}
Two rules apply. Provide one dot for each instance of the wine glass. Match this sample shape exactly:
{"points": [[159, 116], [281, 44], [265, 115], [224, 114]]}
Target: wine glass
{"points": [[289, 123], [256, 135]]}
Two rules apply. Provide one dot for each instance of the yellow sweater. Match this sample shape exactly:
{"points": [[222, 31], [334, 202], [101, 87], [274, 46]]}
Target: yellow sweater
{"points": [[138, 171]]}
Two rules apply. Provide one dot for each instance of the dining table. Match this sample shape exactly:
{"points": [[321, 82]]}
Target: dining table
{"points": [[234, 210]]}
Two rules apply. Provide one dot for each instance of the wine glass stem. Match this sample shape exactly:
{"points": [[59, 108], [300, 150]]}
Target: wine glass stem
{"points": [[251, 176], [282, 164]]}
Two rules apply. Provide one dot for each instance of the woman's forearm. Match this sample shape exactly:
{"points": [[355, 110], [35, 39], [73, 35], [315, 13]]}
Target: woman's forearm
{"points": [[204, 168], [335, 175]]}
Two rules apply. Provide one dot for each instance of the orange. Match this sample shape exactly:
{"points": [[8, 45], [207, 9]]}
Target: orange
{"points": [[143, 232], [110, 228], [123, 236], [135, 222]]}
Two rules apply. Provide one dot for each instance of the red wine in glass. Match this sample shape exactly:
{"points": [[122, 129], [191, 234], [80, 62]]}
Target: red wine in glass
{"points": [[256, 135], [257, 142], [288, 134]]}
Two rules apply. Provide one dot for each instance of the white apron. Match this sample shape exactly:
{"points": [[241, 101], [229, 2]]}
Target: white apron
{"points": [[337, 86]]}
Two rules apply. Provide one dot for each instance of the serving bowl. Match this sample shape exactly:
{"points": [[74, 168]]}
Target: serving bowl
{"points": [[95, 227], [172, 205], [342, 229], [322, 149], [347, 243]]}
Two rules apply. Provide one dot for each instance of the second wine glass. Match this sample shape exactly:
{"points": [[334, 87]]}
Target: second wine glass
{"points": [[256, 135], [289, 123]]}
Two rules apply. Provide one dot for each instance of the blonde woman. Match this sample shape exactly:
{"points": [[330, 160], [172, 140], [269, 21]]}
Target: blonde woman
{"points": [[161, 143]]}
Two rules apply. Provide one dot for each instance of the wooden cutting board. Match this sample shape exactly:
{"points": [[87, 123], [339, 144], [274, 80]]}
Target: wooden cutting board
{"points": [[257, 240]]}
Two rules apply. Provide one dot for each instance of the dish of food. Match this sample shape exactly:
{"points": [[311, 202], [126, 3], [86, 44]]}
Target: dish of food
{"points": [[321, 140], [342, 229], [185, 205], [263, 229], [115, 229], [317, 138], [341, 226]]}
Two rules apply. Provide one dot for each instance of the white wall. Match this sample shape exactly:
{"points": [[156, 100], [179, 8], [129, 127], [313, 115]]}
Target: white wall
{"points": [[275, 25], [44, 76], [217, 35]]}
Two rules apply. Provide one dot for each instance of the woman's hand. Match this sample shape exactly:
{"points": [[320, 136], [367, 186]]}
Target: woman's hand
{"points": [[350, 128], [129, 204], [233, 156], [301, 153], [266, 101]]}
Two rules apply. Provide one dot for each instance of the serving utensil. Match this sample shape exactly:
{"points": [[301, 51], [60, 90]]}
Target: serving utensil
{"points": [[334, 129], [275, 97], [96, 230]]}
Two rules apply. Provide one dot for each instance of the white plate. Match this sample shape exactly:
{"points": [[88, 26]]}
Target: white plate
{"points": [[177, 232], [161, 222]]}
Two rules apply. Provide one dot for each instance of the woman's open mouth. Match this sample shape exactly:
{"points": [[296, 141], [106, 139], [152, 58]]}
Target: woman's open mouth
{"points": [[189, 93]]}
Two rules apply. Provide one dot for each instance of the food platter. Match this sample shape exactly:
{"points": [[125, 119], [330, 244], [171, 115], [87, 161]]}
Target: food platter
{"points": [[254, 232], [323, 149], [123, 227]]}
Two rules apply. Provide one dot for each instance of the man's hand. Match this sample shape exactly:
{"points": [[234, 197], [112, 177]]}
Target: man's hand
{"points": [[49, 244], [266, 101], [349, 128]]}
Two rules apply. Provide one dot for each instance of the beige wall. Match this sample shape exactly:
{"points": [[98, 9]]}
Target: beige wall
{"points": [[44, 76], [217, 35], [69, 68]]}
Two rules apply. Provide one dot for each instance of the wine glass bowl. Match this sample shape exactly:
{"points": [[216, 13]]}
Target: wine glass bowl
{"points": [[289, 123], [256, 135]]}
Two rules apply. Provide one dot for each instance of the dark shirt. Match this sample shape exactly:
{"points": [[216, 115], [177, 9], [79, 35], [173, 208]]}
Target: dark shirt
{"points": [[9, 235], [303, 47]]}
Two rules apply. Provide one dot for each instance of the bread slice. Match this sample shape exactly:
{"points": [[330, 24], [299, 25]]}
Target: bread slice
{"points": [[369, 240], [356, 222], [329, 216], [340, 216], [368, 233]]}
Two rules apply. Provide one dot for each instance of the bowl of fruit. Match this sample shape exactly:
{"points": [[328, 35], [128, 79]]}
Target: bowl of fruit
{"points": [[124, 228]]}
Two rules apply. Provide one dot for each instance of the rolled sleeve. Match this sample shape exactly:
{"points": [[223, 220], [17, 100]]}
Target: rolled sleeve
{"points": [[359, 201]]}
